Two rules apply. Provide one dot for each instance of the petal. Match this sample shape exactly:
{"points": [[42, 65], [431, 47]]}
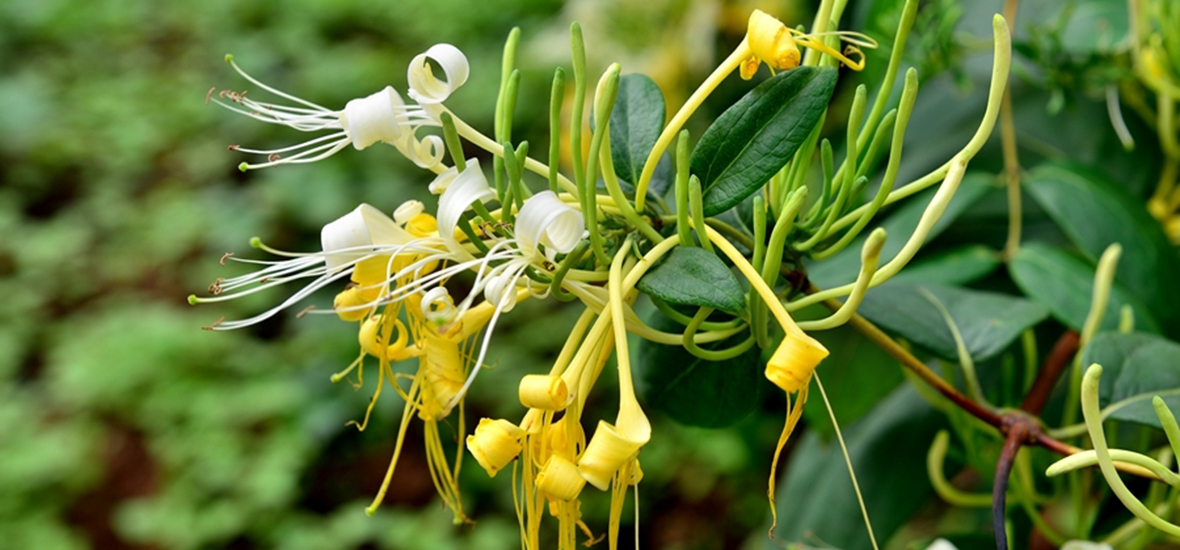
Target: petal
{"points": [[442, 181], [469, 186], [374, 118], [545, 219], [364, 226], [425, 88]]}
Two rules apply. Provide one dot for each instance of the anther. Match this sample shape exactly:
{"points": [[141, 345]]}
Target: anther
{"points": [[226, 256], [214, 325], [209, 94]]}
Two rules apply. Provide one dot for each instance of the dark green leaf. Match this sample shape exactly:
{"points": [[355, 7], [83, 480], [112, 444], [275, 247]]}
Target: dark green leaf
{"points": [[816, 502], [843, 267], [1065, 285], [635, 124], [953, 267], [696, 277], [1136, 367], [756, 137], [988, 322], [857, 375], [1095, 212], [710, 394]]}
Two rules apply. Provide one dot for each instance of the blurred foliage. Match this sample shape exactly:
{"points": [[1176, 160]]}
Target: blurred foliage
{"points": [[122, 425]]}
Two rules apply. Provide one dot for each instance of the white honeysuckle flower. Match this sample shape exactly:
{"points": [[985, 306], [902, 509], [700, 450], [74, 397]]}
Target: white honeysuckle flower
{"points": [[364, 226], [362, 234], [546, 220], [380, 117], [941, 544], [467, 186], [427, 89]]}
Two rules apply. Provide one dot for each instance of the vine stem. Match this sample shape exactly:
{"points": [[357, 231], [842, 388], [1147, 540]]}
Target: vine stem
{"points": [[1051, 369], [1002, 423], [1011, 157], [1018, 433]]}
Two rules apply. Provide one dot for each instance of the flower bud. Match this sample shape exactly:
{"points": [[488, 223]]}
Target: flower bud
{"points": [[545, 392], [494, 444], [560, 479], [793, 362]]}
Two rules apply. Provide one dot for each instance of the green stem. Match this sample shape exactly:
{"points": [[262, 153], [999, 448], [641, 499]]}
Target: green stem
{"points": [[556, 97], [578, 55], [697, 208], [454, 146], [682, 226], [691, 346], [589, 185]]}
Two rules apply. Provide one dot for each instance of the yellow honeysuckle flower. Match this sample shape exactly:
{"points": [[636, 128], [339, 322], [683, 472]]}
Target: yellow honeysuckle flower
{"points": [[777, 45], [495, 444]]}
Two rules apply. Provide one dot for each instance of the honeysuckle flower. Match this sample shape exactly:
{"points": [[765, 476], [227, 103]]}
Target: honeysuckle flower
{"points": [[381, 117], [495, 444], [777, 45]]}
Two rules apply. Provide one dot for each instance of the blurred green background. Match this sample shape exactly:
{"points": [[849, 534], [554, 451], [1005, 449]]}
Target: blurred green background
{"points": [[123, 425]]}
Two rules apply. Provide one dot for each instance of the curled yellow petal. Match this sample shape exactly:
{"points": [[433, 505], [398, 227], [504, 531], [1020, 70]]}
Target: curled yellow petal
{"points": [[559, 478], [793, 362], [608, 450], [494, 444], [350, 304], [375, 338], [544, 391]]}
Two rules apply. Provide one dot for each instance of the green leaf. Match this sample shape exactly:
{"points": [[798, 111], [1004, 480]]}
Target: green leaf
{"points": [[635, 124], [857, 375], [957, 266], [988, 322], [1136, 367], [695, 277], [693, 391], [817, 502], [1095, 212], [1065, 285], [843, 267], [756, 137]]}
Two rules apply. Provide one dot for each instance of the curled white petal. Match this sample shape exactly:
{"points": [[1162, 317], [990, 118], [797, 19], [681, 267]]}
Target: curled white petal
{"points": [[374, 118], [545, 219], [444, 179], [501, 290], [407, 211], [469, 186], [427, 89], [426, 153], [437, 306], [364, 226]]}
